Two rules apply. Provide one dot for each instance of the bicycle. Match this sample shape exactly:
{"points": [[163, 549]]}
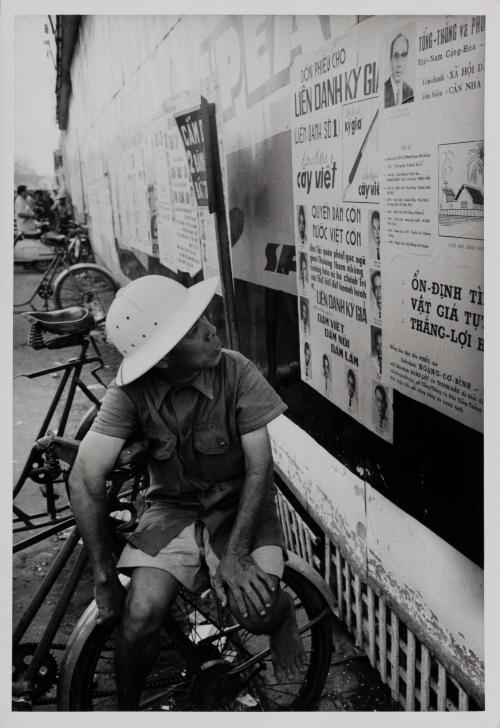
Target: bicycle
{"points": [[68, 328], [34, 665], [82, 284], [207, 660]]}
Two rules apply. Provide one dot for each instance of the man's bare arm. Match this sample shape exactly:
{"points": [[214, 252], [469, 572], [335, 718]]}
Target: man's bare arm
{"points": [[96, 456], [237, 569]]}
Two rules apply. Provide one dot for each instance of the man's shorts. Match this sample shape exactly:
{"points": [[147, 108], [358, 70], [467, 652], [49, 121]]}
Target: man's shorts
{"points": [[189, 557]]}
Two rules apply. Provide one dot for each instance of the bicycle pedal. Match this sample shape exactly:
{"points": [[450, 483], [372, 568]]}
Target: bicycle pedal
{"points": [[22, 703]]}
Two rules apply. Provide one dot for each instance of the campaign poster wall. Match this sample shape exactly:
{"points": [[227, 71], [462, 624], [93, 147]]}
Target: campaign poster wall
{"points": [[336, 185], [388, 151], [432, 162]]}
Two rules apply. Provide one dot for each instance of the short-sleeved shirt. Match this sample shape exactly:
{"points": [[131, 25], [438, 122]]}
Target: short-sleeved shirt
{"points": [[195, 458]]}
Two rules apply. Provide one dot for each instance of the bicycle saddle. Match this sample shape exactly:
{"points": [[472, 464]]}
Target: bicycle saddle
{"points": [[73, 320], [52, 238]]}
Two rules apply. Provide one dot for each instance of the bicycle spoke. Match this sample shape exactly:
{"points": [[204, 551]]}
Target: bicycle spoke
{"points": [[103, 700], [164, 695], [239, 673], [273, 702], [275, 689]]}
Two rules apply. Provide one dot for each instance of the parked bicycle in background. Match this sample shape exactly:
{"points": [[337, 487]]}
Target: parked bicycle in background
{"points": [[63, 255]]}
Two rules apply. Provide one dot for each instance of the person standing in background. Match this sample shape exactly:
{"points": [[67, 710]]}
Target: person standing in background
{"points": [[62, 212], [25, 217]]}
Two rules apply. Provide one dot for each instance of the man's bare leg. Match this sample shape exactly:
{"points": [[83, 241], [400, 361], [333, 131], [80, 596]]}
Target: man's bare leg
{"points": [[150, 595], [279, 622], [287, 650]]}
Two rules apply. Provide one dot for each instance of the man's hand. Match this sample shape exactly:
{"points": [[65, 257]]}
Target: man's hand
{"points": [[109, 598], [246, 582]]}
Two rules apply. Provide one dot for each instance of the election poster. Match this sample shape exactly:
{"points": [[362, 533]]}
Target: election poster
{"points": [[191, 130], [183, 200], [388, 170], [336, 187], [98, 199], [137, 151], [182, 230], [166, 241], [432, 210]]}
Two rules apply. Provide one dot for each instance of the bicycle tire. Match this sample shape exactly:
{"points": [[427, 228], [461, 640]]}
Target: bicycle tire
{"points": [[88, 285], [91, 684]]}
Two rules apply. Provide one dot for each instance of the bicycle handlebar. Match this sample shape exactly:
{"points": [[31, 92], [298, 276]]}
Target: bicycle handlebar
{"points": [[66, 449]]}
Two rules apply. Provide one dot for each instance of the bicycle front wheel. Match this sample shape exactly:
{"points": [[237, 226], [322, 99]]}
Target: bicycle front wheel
{"points": [[237, 665], [88, 285]]}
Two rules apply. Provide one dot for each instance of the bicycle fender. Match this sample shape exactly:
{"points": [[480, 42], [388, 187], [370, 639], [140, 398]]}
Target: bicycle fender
{"points": [[77, 640], [297, 563]]}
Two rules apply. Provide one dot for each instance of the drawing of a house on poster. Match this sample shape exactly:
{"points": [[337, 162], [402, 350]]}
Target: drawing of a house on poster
{"points": [[461, 196]]}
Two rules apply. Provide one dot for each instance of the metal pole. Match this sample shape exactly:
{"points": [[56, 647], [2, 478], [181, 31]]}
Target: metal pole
{"points": [[56, 618], [57, 566], [217, 204]]}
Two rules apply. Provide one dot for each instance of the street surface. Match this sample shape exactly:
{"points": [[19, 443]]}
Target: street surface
{"points": [[352, 684]]}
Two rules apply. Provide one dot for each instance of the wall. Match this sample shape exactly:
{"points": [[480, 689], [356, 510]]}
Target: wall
{"points": [[407, 513]]}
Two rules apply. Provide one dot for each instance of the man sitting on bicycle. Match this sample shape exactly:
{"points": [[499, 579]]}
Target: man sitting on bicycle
{"points": [[205, 412]]}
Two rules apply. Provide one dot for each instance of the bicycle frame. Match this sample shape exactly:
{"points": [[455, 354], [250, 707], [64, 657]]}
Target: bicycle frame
{"points": [[71, 379], [25, 689], [46, 280]]}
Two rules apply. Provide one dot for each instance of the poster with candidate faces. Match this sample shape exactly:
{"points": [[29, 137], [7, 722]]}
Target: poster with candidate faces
{"points": [[388, 167], [336, 187], [432, 212]]}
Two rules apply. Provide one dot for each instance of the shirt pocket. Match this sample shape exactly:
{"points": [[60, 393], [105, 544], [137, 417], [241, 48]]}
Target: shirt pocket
{"points": [[210, 438], [219, 457], [162, 441]]}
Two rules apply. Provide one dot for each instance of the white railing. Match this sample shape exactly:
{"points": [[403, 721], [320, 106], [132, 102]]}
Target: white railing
{"points": [[416, 679]]}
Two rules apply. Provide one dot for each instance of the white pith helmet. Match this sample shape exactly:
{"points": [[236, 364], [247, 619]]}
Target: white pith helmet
{"points": [[149, 316]]}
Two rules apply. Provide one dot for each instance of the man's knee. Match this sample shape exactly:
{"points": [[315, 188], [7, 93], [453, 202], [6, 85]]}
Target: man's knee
{"points": [[140, 618], [146, 606]]}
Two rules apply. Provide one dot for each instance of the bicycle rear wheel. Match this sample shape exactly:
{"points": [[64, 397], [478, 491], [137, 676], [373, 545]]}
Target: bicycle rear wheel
{"points": [[224, 647], [88, 285]]}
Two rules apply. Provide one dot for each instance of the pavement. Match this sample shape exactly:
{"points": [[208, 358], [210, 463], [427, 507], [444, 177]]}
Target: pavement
{"points": [[352, 684]]}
